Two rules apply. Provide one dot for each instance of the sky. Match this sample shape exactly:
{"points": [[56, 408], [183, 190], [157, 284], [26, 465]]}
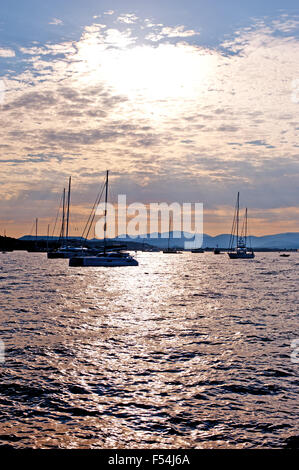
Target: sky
{"points": [[182, 101]]}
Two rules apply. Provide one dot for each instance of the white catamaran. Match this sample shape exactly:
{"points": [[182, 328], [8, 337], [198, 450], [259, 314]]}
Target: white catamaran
{"points": [[105, 258], [238, 240]]}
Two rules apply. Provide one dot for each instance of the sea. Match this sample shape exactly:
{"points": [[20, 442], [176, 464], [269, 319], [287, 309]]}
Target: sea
{"points": [[183, 351]]}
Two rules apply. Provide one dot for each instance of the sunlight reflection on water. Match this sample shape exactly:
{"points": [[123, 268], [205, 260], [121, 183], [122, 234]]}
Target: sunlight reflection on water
{"points": [[182, 351]]}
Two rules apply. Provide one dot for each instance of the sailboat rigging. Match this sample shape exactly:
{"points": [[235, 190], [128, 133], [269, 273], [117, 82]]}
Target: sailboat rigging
{"points": [[169, 249], [104, 258], [238, 240], [65, 250]]}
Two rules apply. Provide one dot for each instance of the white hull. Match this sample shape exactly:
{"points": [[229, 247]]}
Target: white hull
{"points": [[241, 255], [67, 254], [104, 261]]}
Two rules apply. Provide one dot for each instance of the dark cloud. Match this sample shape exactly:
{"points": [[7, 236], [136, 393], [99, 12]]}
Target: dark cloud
{"points": [[36, 158], [257, 142], [33, 100], [227, 128]]}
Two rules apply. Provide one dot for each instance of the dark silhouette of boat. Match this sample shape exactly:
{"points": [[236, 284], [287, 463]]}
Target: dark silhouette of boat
{"points": [[104, 258], [170, 250], [65, 250], [238, 241], [197, 250]]}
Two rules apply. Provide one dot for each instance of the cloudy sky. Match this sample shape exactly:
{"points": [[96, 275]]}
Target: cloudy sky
{"points": [[183, 101]]}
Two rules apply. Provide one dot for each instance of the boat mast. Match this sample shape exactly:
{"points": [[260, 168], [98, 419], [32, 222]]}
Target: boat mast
{"points": [[169, 226], [245, 240], [63, 218], [48, 237], [68, 209], [237, 220], [36, 224], [105, 213]]}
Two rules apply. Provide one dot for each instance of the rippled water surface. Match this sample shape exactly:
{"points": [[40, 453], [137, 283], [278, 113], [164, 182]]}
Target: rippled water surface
{"points": [[182, 351]]}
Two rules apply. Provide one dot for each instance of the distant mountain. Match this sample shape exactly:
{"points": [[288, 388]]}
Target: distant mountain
{"points": [[32, 238], [278, 241]]}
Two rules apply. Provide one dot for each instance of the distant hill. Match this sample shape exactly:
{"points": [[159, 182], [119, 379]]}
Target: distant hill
{"points": [[278, 241], [32, 238]]}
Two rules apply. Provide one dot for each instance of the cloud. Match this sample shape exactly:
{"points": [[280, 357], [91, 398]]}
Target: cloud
{"points": [[257, 142], [171, 119], [286, 25], [49, 49], [6, 53], [227, 128], [56, 22], [34, 158], [33, 100], [170, 32], [129, 18], [178, 32]]}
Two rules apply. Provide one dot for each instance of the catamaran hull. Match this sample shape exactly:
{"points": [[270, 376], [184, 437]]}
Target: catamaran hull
{"points": [[68, 254], [241, 256], [95, 261], [60, 255]]}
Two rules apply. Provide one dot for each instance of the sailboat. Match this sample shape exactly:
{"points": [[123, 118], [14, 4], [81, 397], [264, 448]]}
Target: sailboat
{"points": [[238, 241], [169, 250], [37, 246], [105, 258], [65, 250]]}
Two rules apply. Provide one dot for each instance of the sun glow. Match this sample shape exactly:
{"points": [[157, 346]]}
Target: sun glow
{"points": [[144, 73], [157, 73]]}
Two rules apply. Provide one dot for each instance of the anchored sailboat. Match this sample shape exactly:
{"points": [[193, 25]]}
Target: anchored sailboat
{"points": [[36, 246], [105, 258], [169, 249], [64, 251], [217, 250], [238, 240]]}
